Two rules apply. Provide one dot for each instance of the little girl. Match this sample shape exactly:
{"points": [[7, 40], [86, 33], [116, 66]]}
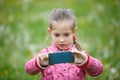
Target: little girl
{"points": [[63, 32]]}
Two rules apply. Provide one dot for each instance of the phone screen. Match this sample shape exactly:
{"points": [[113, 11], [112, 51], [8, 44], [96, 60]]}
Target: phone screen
{"points": [[61, 57]]}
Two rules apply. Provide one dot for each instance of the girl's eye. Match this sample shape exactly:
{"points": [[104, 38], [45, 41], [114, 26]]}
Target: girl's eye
{"points": [[66, 34], [56, 35]]}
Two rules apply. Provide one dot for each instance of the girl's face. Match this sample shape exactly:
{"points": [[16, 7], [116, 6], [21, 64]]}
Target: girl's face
{"points": [[62, 34]]}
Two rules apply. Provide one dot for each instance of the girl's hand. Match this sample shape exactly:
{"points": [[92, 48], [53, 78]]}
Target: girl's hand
{"points": [[43, 59], [79, 57]]}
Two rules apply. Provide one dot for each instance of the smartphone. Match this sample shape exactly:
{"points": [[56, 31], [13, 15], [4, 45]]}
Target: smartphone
{"points": [[61, 57]]}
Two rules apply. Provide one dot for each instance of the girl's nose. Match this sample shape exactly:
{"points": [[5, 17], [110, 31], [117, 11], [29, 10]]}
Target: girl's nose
{"points": [[61, 39]]}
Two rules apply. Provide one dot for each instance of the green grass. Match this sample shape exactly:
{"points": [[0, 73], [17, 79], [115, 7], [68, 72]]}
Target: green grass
{"points": [[23, 33]]}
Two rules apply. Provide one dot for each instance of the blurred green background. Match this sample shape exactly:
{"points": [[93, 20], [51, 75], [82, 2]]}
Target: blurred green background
{"points": [[23, 33]]}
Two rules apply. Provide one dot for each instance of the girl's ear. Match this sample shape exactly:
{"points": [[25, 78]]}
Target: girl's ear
{"points": [[49, 31], [75, 31]]}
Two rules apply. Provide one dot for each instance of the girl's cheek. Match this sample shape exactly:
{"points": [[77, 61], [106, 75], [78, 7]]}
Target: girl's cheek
{"points": [[55, 40]]}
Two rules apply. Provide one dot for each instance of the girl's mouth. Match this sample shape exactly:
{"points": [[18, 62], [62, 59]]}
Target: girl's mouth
{"points": [[62, 44]]}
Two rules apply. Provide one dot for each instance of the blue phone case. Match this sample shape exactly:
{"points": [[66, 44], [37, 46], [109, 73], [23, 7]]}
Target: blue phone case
{"points": [[61, 57]]}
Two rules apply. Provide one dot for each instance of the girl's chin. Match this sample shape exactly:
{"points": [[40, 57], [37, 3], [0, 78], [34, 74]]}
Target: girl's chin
{"points": [[62, 48]]}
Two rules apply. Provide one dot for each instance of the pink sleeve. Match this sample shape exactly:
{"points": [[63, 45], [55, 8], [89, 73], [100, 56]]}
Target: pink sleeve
{"points": [[91, 66], [94, 67], [32, 66]]}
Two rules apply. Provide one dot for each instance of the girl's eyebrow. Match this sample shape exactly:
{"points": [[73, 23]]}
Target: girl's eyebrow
{"points": [[55, 32], [67, 32]]}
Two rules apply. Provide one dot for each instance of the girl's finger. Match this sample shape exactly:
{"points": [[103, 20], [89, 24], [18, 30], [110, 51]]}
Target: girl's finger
{"points": [[41, 58], [46, 57]]}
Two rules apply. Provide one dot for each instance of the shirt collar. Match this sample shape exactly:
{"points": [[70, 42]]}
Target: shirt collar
{"points": [[67, 49]]}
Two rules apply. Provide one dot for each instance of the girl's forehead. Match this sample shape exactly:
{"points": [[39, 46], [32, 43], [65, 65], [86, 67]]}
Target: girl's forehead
{"points": [[62, 25]]}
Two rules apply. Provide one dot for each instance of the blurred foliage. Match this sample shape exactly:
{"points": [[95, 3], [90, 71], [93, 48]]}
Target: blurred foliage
{"points": [[23, 33]]}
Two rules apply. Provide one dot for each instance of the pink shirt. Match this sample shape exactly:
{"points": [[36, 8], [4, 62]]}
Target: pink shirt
{"points": [[64, 71]]}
